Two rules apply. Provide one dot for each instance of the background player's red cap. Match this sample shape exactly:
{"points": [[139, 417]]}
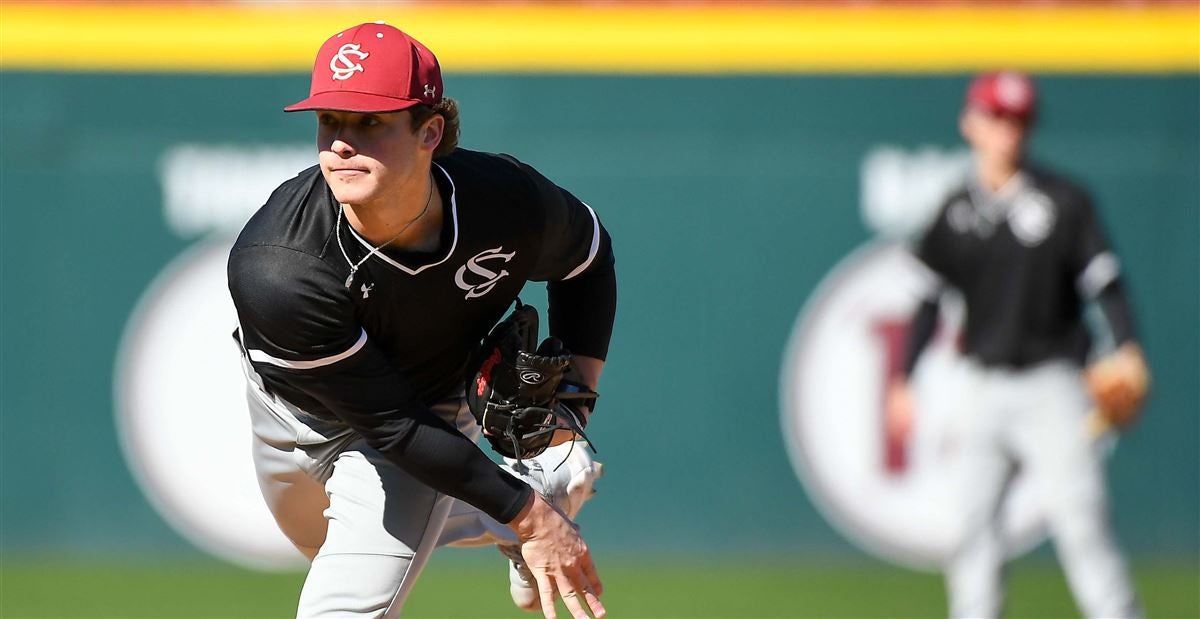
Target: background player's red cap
{"points": [[372, 67], [1007, 93]]}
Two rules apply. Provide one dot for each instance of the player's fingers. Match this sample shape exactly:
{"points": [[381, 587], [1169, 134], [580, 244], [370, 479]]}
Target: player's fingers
{"points": [[545, 588], [583, 584], [571, 599], [570, 596], [593, 577], [593, 602]]}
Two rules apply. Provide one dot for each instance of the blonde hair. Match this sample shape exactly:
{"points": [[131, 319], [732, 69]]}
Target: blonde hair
{"points": [[447, 108]]}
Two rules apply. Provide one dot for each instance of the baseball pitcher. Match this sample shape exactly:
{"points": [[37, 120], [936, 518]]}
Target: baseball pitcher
{"points": [[368, 291]]}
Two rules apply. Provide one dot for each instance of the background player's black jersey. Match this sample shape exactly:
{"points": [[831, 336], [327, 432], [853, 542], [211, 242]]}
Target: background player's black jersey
{"points": [[378, 353], [1023, 258]]}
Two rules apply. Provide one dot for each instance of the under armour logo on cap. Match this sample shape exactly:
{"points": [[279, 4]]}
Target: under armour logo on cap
{"points": [[342, 66], [372, 67]]}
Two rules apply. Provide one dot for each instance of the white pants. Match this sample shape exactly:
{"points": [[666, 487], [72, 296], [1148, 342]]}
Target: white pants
{"points": [[1034, 419], [367, 525]]}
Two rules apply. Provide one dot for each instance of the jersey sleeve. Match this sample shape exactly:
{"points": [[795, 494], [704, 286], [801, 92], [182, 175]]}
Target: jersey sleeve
{"points": [[298, 330], [292, 310], [933, 248], [576, 259], [1090, 258], [573, 241], [1097, 271]]}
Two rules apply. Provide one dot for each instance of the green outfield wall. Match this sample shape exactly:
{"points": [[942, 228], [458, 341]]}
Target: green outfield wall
{"points": [[728, 198]]}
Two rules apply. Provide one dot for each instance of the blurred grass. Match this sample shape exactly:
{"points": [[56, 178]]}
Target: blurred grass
{"points": [[460, 586]]}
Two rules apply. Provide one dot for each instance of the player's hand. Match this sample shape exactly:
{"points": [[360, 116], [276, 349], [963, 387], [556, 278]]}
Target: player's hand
{"points": [[1118, 384], [559, 560], [898, 410]]}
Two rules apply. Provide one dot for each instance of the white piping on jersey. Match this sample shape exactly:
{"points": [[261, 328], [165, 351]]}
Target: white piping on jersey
{"points": [[453, 244], [595, 249], [1100, 272], [262, 357]]}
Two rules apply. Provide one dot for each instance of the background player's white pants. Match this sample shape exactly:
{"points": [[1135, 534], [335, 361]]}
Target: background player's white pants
{"points": [[1034, 419], [369, 524]]}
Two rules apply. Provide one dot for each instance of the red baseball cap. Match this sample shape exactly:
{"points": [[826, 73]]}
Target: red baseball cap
{"points": [[1007, 93], [372, 67]]}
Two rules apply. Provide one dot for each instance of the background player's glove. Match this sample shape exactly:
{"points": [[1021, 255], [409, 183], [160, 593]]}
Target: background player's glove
{"points": [[520, 397], [1118, 384]]}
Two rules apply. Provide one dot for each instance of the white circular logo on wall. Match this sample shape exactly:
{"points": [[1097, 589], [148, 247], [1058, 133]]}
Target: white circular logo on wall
{"points": [[182, 416], [894, 500]]}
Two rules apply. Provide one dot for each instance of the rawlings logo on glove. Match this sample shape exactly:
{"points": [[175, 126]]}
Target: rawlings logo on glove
{"points": [[520, 397]]}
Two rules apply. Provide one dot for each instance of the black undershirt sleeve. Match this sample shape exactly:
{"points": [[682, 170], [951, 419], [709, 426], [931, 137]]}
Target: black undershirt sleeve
{"points": [[582, 311], [1115, 306], [920, 331], [290, 309]]}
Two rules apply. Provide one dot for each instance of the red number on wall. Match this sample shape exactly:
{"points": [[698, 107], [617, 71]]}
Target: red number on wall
{"points": [[892, 334]]}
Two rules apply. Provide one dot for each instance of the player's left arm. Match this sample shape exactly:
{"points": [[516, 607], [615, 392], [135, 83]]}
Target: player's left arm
{"points": [[1118, 381], [576, 260]]}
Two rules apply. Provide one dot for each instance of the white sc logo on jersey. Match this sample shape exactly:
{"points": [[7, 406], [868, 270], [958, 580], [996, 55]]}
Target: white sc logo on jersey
{"points": [[342, 66], [1031, 218], [486, 278]]}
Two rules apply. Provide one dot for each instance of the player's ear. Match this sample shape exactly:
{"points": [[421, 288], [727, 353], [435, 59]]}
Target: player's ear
{"points": [[432, 131], [964, 126]]}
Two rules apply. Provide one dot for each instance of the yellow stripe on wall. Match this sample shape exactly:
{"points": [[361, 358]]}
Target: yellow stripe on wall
{"points": [[631, 38]]}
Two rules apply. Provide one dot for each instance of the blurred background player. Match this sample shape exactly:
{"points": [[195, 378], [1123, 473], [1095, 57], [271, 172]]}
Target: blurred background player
{"points": [[1025, 249], [363, 287]]}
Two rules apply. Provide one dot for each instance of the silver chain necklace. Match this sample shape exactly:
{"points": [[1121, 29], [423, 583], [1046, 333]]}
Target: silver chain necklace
{"points": [[338, 233]]}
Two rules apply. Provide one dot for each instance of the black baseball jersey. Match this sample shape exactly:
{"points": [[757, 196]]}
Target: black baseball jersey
{"points": [[1024, 258], [376, 354]]}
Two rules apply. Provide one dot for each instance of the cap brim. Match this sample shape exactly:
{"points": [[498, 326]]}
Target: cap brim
{"points": [[347, 101], [1000, 110]]}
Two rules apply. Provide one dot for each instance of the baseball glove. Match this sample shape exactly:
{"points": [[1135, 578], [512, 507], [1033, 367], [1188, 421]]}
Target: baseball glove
{"points": [[1118, 384], [520, 397]]}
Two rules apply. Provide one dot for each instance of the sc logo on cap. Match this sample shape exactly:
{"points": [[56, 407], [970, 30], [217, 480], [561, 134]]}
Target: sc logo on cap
{"points": [[342, 66]]}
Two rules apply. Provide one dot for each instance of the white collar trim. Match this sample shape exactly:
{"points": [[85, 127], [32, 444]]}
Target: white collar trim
{"points": [[994, 204], [453, 243]]}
